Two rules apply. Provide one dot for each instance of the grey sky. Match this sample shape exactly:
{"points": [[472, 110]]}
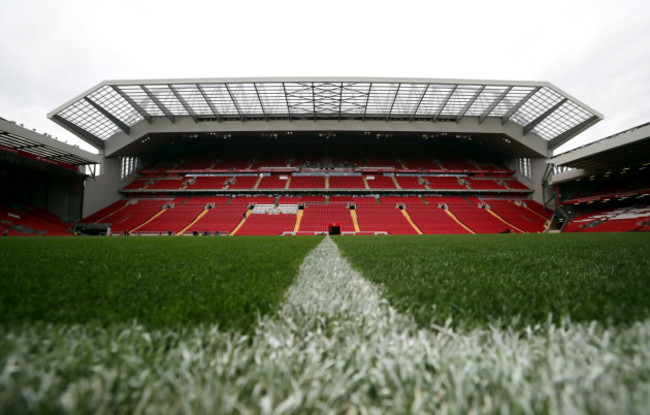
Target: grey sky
{"points": [[596, 50]]}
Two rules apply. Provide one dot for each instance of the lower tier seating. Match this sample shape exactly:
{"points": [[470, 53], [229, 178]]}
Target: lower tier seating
{"points": [[268, 224], [317, 218], [382, 218], [520, 217], [276, 215], [21, 219], [431, 219], [614, 220], [173, 219], [220, 219]]}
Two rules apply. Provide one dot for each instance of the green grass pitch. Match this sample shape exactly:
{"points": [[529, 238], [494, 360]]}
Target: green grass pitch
{"points": [[485, 279], [193, 325]]}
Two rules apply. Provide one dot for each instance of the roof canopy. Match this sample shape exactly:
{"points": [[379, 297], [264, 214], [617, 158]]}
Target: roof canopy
{"points": [[19, 140], [113, 107], [619, 151]]}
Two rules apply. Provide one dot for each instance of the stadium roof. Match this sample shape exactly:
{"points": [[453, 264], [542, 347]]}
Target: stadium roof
{"points": [[619, 151], [116, 107], [19, 141]]}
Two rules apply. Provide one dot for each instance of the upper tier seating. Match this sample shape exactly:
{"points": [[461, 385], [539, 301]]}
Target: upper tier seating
{"points": [[443, 182], [167, 184], [202, 200], [484, 184], [249, 200], [307, 182], [346, 182], [242, 182], [137, 184], [380, 182], [516, 185], [409, 182], [199, 163], [402, 200], [208, 183], [275, 181]]}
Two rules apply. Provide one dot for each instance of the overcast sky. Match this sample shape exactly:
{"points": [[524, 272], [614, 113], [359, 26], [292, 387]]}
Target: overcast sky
{"points": [[596, 50]]}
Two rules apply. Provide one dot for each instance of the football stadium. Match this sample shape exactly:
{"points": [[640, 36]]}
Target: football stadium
{"points": [[324, 245]]}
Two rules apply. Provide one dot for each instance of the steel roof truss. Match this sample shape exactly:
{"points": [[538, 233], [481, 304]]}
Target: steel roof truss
{"points": [[417, 107], [184, 103], [562, 138], [444, 103], [235, 103], [469, 103], [89, 137], [159, 103], [266, 118], [516, 107], [286, 98], [494, 104], [210, 104], [111, 117], [134, 104], [340, 101], [529, 127], [393, 103], [365, 107]]}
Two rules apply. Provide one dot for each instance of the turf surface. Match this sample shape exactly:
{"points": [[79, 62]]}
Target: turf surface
{"points": [[156, 281], [509, 279]]}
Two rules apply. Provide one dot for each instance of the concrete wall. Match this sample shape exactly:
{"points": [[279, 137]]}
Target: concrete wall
{"points": [[103, 190]]}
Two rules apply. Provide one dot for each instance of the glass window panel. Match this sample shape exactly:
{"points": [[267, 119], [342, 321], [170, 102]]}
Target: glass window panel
{"points": [[87, 117], [564, 118], [408, 98], [116, 105], [485, 99], [167, 99], [194, 99], [511, 99], [543, 100], [246, 98], [273, 99], [218, 95], [459, 99], [433, 99], [142, 99], [381, 99], [354, 97]]}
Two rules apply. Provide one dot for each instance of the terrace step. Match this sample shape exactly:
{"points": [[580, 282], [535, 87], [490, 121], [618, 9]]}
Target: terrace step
{"points": [[148, 220], [355, 222], [296, 228], [241, 223], [410, 221], [198, 217], [496, 215], [451, 214]]}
